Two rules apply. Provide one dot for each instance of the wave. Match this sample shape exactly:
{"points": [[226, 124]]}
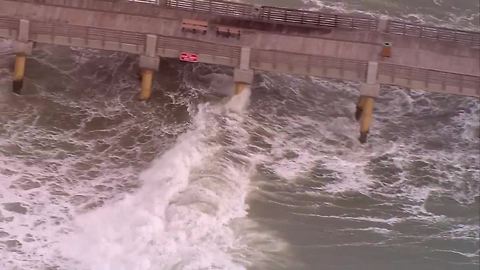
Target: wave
{"points": [[180, 217]]}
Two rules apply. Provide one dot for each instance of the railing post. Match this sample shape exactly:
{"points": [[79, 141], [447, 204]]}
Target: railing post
{"points": [[383, 23], [257, 11]]}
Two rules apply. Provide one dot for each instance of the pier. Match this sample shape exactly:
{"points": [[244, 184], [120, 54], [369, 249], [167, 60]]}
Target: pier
{"points": [[371, 50]]}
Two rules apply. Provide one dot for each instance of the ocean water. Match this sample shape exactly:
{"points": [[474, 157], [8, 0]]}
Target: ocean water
{"points": [[92, 179]]}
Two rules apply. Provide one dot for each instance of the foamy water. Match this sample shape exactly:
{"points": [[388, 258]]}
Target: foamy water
{"points": [[178, 219], [274, 178], [451, 14]]}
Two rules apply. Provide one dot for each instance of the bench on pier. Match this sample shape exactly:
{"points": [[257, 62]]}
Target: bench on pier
{"points": [[226, 31], [194, 26]]}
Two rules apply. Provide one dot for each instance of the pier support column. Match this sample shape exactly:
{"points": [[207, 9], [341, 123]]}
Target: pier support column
{"points": [[148, 65], [22, 47], [366, 118], [239, 87], [359, 108], [243, 79], [19, 73], [146, 86], [364, 112], [364, 109], [243, 75]]}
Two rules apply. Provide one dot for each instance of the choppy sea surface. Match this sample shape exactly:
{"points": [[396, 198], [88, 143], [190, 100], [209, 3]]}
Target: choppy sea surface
{"points": [[275, 178]]}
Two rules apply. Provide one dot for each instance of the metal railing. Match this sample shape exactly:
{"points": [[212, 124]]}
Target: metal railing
{"points": [[134, 38], [199, 47], [9, 23], [156, 2], [224, 8], [276, 15], [309, 64], [435, 33], [430, 77], [9, 27], [105, 5], [317, 19], [88, 33]]}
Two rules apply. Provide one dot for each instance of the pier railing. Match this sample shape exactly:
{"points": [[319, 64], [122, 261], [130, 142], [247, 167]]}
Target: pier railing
{"points": [[126, 41], [199, 47], [104, 5], [297, 63], [431, 32], [224, 8], [8, 27], [207, 52], [9, 23], [87, 33], [317, 19], [276, 15], [433, 79]]}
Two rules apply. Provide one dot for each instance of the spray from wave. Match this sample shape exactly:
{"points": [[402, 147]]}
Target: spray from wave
{"points": [[180, 217]]}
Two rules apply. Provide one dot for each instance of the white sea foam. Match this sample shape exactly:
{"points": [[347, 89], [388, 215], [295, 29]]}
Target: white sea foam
{"points": [[465, 20], [470, 123], [337, 6], [239, 103], [370, 229], [389, 221], [178, 219], [293, 158]]}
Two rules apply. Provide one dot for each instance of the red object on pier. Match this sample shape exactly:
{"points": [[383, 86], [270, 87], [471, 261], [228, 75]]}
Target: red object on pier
{"points": [[188, 57]]}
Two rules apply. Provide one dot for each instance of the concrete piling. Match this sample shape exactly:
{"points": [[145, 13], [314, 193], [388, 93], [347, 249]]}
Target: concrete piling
{"points": [[149, 63], [240, 87], [359, 108], [243, 75], [368, 92], [146, 85], [366, 118], [22, 47], [242, 78], [19, 73]]}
